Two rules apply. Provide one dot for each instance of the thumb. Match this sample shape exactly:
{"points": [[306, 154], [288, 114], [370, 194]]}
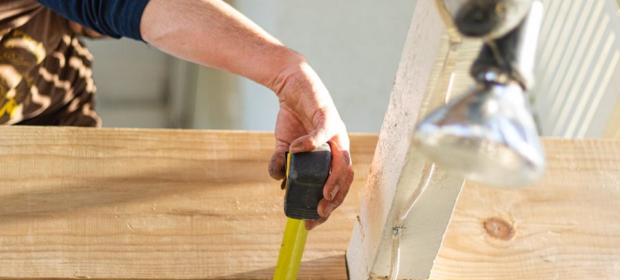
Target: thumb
{"points": [[276, 164]]}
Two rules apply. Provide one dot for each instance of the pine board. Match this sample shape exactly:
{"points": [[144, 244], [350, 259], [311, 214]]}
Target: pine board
{"points": [[397, 168], [171, 204], [565, 227], [151, 204]]}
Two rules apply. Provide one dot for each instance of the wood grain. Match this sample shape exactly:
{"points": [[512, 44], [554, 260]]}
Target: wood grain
{"points": [[397, 168], [170, 204], [565, 227], [154, 204]]}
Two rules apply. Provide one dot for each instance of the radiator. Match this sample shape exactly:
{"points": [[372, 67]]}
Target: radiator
{"points": [[578, 69]]}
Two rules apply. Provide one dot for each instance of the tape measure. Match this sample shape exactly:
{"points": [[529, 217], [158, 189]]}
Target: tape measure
{"points": [[306, 174]]}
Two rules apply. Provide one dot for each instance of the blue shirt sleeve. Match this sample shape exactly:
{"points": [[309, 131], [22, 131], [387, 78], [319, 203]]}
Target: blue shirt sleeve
{"points": [[114, 18]]}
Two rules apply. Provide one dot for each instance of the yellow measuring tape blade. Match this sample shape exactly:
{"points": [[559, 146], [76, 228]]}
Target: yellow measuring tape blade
{"points": [[293, 244], [292, 250]]}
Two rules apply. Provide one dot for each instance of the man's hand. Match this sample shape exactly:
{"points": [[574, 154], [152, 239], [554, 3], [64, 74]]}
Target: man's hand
{"points": [[212, 33], [308, 119]]}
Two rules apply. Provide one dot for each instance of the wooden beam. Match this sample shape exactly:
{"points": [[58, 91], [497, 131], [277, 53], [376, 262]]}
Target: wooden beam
{"points": [[567, 226], [147, 204], [397, 168]]}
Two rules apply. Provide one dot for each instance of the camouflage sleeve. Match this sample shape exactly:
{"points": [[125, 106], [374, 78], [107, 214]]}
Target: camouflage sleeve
{"points": [[45, 71]]}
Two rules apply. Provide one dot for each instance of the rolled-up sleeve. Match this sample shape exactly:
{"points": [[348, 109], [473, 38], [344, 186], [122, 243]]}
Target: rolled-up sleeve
{"points": [[114, 18]]}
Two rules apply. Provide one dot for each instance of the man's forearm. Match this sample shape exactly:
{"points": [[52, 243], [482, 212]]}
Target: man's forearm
{"points": [[212, 33]]}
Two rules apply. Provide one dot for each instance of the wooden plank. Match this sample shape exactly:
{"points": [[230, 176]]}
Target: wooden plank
{"points": [[397, 168], [171, 204], [565, 227], [146, 204]]}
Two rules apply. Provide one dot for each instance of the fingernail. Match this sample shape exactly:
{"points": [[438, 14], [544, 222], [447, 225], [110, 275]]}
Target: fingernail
{"points": [[328, 210], [334, 192]]}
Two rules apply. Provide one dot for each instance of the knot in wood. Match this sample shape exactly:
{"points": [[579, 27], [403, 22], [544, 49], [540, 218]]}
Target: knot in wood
{"points": [[499, 228]]}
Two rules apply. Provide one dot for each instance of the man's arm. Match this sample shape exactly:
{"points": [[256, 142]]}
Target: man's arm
{"points": [[211, 33]]}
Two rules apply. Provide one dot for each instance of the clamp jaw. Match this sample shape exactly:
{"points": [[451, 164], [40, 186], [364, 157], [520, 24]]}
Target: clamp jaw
{"points": [[486, 19], [488, 134]]}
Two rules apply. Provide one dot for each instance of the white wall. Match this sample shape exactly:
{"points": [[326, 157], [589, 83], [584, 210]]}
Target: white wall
{"points": [[132, 83]]}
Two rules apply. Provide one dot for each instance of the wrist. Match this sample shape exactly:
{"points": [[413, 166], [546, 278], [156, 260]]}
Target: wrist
{"points": [[296, 78], [288, 70]]}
